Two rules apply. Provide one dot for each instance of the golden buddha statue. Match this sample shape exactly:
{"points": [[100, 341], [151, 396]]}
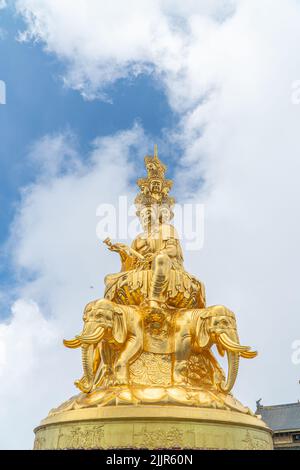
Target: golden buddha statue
{"points": [[147, 348], [152, 268]]}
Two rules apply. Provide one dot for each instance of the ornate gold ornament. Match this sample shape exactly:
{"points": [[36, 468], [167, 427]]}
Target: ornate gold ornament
{"points": [[147, 349]]}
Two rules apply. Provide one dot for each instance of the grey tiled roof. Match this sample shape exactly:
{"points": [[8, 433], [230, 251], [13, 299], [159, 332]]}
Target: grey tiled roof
{"points": [[281, 417]]}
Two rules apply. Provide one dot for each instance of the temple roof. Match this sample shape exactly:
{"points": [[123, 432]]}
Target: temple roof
{"points": [[281, 417]]}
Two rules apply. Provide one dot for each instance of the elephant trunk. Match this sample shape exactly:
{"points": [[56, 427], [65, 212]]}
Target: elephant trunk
{"points": [[87, 361], [234, 350], [91, 335], [86, 383]]}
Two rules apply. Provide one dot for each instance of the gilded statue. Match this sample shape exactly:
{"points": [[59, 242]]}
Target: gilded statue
{"points": [[150, 339]]}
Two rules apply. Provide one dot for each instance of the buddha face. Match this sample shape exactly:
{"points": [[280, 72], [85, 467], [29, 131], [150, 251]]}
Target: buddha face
{"points": [[151, 166], [147, 218], [164, 214], [155, 186], [144, 189]]}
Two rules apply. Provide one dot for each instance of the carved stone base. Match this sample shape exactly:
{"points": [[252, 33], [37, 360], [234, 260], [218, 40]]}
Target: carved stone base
{"points": [[152, 427]]}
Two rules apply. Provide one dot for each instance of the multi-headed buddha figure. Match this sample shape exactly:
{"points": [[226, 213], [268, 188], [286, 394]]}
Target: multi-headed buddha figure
{"points": [[152, 271], [153, 317]]}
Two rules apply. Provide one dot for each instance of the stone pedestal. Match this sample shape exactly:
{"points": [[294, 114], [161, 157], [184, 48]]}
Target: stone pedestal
{"points": [[152, 427]]}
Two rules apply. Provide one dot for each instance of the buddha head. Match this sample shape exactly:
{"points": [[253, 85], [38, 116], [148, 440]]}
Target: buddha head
{"points": [[148, 217], [165, 214], [155, 186]]}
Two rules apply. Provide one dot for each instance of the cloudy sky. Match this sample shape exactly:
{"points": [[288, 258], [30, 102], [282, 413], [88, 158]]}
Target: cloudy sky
{"points": [[91, 85]]}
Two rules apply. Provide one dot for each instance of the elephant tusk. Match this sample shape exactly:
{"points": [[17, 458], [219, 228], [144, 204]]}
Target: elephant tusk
{"points": [[233, 367], [236, 347], [248, 354], [72, 343], [231, 345], [93, 338]]}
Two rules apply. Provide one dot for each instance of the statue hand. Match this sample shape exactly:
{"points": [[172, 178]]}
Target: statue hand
{"points": [[121, 246], [118, 247], [149, 256]]}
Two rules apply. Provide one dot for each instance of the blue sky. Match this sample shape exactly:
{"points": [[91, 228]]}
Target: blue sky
{"points": [[38, 103]]}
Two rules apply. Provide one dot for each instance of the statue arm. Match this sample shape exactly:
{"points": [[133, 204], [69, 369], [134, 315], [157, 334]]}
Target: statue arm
{"points": [[170, 248], [173, 249], [123, 250], [171, 242]]}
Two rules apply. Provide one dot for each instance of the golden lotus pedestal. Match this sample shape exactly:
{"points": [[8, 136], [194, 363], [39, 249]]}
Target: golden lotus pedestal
{"points": [[152, 427]]}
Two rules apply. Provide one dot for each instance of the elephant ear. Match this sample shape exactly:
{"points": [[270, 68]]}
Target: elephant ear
{"points": [[201, 332], [119, 327]]}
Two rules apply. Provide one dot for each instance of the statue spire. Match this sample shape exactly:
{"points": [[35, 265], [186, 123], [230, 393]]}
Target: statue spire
{"points": [[155, 188]]}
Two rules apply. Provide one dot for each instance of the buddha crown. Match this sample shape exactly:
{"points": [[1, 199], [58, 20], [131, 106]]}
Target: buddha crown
{"points": [[154, 190]]}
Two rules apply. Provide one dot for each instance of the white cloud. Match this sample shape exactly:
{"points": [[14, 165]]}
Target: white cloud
{"points": [[28, 365], [53, 155], [244, 141], [3, 4], [107, 41], [228, 68], [58, 258], [26, 330], [57, 218]]}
